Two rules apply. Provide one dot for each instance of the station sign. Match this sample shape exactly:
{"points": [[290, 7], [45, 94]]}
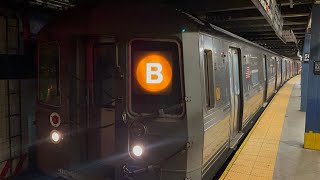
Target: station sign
{"points": [[306, 48], [316, 68], [306, 57]]}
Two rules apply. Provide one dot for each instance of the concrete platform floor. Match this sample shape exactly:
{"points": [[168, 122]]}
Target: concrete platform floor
{"points": [[293, 161]]}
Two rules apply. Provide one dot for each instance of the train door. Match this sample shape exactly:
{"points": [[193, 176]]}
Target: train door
{"points": [[286, 69], [104, 54], [280, 71], [99, 55], [234, 72], [276, 72], [265, 75], [279, 81], [283, 74], [292, 69]]}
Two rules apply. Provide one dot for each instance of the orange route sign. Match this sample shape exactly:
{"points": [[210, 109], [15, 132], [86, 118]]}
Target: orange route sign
{"points": [[154, 73]]}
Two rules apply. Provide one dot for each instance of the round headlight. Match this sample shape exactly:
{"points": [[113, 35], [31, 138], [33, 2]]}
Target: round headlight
{"points": [[137, 150], [55, 136]]}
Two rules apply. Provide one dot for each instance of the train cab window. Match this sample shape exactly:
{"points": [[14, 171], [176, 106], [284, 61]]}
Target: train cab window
{"points": [[155, 77], [209, 78], [104, 79], [49, 82]]}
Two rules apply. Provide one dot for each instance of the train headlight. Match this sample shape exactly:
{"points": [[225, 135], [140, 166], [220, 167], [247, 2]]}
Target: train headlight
{"points": [[55, 136], [137, 150]]}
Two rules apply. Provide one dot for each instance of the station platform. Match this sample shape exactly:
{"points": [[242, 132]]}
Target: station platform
{"points": [[273, 148]]}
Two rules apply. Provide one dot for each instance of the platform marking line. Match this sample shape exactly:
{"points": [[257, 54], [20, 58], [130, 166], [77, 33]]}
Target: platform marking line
{"points": [[256, 157]]}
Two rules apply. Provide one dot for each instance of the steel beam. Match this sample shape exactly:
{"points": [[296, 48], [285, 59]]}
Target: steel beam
{"points": [[247, 8], [252, 18], [274, 41], [298, 28], [260, 36], [247, 26], [284, 48], [299, 33], [263, 38], [242, 19], [288, 23], [295, 15], [249, 30], [272, 21], [267, 36], [228, 9], [258, 25]]}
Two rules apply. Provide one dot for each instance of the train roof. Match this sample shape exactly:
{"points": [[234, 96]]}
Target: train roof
{"points": [[129, 19], [118, 19]]}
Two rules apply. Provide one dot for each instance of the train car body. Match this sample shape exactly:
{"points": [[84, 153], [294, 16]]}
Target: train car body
{"points": [[148, 92]]}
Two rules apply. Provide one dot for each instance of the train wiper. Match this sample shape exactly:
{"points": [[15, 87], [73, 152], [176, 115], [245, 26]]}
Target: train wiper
{"points": [[169, 109], [164, 111]]}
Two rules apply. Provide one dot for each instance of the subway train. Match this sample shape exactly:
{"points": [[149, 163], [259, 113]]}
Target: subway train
{"points": [[147, 92]]}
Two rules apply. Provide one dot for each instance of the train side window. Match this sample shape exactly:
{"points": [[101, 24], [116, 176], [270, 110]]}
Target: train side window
{"points": [[104, 74], [3, 35], [49, 81], [9, 35], [13, 35], [209, 78]]}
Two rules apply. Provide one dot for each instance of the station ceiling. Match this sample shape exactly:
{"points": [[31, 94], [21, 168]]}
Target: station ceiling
{"points": [[241, 17]]}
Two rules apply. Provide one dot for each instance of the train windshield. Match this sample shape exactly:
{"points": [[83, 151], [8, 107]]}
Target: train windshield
{"points": [[156, 84], [49, 92]]}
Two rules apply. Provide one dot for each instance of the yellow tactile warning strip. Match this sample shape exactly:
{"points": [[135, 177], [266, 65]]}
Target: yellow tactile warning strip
{"points": [[312, 140], [256, 157]]}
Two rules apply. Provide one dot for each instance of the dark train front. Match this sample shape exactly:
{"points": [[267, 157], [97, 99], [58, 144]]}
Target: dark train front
{"points": [[108, 98], [163, 96]]}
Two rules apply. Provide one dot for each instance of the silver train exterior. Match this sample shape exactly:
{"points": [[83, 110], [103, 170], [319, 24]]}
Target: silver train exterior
{"points": [[220, 84]]}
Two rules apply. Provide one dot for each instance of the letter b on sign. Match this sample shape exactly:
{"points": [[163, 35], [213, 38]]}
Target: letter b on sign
{"points": [[154, 73], [154, 70]]}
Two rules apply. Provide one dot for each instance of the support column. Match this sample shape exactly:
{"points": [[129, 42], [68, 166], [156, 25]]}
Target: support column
{"points": [[305, 71], [312, 131]]}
